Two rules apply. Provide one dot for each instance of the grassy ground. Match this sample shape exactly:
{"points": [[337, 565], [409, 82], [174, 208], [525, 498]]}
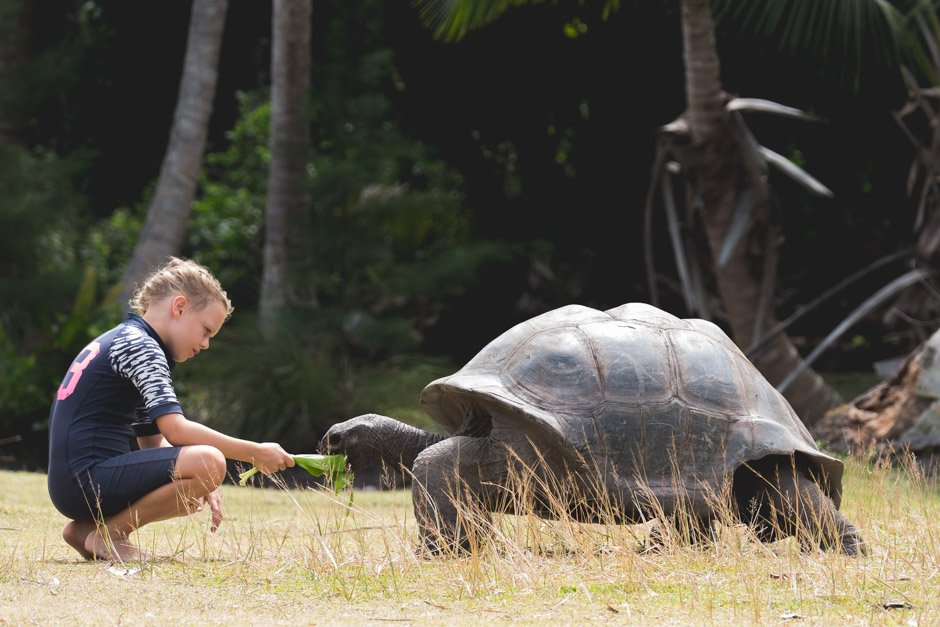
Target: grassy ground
{"points": [[301, 556]]}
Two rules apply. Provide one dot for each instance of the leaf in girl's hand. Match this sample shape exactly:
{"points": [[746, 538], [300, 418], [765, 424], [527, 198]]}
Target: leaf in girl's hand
{"points": [[334, 466], [243, 477]]}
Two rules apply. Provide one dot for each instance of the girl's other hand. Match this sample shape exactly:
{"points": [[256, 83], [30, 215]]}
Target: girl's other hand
{"points": [[214, 499]]}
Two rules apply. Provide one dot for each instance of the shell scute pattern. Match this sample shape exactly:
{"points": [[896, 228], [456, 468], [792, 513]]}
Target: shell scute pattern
{"points": [[636, 390]]}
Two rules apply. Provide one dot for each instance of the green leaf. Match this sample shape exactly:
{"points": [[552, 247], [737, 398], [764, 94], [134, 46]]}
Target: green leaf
{"points": [[243, 477], [334, 466]]}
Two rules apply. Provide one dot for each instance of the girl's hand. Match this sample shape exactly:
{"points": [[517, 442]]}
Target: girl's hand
{"points": [[214, 499], [270, 458]]}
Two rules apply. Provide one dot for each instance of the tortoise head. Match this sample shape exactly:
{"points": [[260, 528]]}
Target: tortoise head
{"points": [[366, 440]]}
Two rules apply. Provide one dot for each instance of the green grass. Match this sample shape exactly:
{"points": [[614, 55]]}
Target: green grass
{"points": [[303, 556]]}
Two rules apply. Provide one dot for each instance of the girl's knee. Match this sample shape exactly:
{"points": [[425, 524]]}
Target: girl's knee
{"points": [[214, 463], [202, 461]]}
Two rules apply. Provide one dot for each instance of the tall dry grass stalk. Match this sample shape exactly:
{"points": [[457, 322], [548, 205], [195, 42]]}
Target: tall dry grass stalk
{"points": [[286, 554]]}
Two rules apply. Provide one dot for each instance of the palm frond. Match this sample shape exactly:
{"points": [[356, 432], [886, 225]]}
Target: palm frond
{"points": [[902, 282], [740, 224], [761, 341], [451, 20], [678, 249], [851, 27], [769, 106], [795, 172], [657, 171]]}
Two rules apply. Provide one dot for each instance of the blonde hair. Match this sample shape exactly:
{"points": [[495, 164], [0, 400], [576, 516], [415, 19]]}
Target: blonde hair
{"points": [[180, 276]]}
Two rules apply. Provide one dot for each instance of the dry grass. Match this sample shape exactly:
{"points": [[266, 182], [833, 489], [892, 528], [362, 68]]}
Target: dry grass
{"points": [[301, 556]]}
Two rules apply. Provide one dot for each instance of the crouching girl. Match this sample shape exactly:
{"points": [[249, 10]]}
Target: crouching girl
{"points": [[119, 387]]}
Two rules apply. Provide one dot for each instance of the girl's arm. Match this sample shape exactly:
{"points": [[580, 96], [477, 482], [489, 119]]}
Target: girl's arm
{"points": [[267, 456]]}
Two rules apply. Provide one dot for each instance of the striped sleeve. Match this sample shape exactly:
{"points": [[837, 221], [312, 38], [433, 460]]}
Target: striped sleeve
{"points": [[138, 358]]}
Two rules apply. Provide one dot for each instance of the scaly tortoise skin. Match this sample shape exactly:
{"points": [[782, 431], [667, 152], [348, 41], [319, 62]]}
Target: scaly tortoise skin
{"points": [[626, 415]]}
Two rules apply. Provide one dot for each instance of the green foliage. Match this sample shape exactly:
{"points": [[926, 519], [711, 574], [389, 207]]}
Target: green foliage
{"points": [[393, 388], [28, 79], [50, 303], [920, 29], [35, 349], [225, 228], [852, 36], [36, 204], [451, 20], [823, 28], [391, 244], [108, 244], [293, 388], [20, 391], [268, 390], [225, 234]]}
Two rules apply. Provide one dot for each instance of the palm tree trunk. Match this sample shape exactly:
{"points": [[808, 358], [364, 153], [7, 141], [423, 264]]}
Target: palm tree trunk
{"points": [[718, 177], [165, 226], [288, 203]]}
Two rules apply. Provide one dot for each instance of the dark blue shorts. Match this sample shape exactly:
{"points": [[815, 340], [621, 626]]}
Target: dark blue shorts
{"points": [[114, 484]]}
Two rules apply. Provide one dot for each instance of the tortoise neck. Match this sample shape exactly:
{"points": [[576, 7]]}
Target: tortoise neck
{"points": [[407, 444]]}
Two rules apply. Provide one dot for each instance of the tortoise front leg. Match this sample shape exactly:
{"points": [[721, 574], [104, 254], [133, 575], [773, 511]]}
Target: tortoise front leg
{"points": [[447, 493], [795, 505]]}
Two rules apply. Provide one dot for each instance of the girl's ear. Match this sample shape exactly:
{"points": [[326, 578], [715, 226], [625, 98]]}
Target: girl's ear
{"points": [[178, 305]]}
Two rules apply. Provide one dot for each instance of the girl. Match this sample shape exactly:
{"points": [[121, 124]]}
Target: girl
{"points": [[119, 386]]}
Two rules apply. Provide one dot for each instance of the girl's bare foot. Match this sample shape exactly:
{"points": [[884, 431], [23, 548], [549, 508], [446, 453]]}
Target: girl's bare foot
{"points": [[75, 533], [118, 550]]}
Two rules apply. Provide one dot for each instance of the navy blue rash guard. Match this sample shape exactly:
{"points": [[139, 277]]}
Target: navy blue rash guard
{"points": [[115, 389]]}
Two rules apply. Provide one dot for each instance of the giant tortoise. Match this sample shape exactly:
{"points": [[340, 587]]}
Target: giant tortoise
{"points": [[625, 415]]}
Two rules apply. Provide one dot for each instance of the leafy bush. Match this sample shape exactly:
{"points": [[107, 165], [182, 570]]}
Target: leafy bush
{"points": [[391, 247], [45, 294]]}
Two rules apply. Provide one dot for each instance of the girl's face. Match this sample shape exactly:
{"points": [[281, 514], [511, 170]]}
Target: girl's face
{"points": [[191, 329]]}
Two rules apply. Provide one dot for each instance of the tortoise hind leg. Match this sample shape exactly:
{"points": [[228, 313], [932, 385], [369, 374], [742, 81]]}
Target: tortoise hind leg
{"points": [[447, 495], [777, 498]]}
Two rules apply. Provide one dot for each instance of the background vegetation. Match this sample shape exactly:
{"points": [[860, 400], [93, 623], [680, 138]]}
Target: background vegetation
{"points": [[457, 189]]}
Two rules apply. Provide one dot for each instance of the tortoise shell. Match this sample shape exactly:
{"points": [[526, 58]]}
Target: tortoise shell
{"points": [[642, 395]]}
